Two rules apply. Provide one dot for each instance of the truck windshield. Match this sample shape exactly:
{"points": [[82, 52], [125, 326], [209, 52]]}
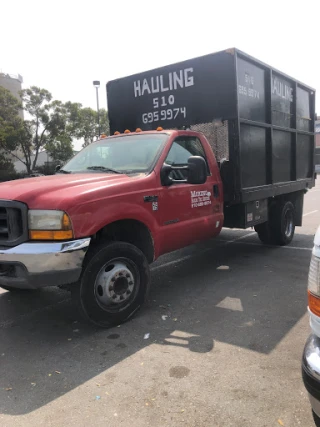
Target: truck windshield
{"points": [[125, 154]]}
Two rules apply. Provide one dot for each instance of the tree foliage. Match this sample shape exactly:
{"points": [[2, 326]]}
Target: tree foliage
{"points": [[10, 124], [6, 168], [10, 127], [87, 127], [60, 150], [51, 126], [9, 106], [48, 120]]}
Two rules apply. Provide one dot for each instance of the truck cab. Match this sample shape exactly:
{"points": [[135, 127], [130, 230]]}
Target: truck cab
{"points": [[142, 194]]}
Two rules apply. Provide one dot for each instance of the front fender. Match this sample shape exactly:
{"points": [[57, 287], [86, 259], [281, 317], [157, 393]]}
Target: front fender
{"points": [[90, 218]]}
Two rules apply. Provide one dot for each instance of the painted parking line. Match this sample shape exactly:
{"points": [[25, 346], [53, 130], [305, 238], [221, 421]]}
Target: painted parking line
{"points": [[238, 240], [276, 247], [310, 213], [241, 237]]}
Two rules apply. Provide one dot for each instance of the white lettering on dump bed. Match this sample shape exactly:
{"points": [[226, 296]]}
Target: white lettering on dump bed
{"points": [[281, 89], [247, 89], [162, 83]]}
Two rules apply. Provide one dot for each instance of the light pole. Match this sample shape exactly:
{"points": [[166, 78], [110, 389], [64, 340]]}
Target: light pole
{"points": [[96, 84]]}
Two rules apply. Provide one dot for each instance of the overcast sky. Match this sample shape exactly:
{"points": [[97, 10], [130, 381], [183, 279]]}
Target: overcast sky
{"points": [[64, 45]]}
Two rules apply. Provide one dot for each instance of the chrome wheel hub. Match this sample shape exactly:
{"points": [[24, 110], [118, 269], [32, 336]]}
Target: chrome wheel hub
{"points": [[114, 284]]}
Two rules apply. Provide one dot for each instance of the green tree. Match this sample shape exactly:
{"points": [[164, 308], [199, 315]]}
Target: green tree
{"points": [[73, 117], [60, 149], [48, 120], [22, 140], [9, 105], [7, 170], [52, 126], [104, 122], [10, 125], [86, 124]]}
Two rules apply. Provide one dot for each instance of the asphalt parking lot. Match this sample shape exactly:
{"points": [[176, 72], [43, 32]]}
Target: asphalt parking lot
{"points": [[213, 347]]}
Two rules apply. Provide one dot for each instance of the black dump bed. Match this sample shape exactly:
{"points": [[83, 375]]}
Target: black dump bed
{"points": [[259, 122]]}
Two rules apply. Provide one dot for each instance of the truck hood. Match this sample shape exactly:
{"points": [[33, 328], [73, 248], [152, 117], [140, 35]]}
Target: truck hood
{"points": [[52, 192]]}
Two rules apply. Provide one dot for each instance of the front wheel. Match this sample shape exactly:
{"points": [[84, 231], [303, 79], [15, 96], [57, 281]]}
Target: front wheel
{"points": [[114, 284]]}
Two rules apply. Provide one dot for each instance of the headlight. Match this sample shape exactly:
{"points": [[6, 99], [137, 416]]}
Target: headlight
{"points": [[314, 284], [49, 225]]}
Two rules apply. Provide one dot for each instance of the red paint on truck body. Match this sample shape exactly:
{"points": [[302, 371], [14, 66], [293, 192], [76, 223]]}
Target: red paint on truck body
{"points": [[94, 200]]}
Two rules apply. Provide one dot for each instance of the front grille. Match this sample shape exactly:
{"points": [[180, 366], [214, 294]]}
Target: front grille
{"points": [[13, 223], [4, 232]]}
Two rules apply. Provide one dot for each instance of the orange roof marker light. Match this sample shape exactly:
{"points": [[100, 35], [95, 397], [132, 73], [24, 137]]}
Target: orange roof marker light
{"points": [[117, 133], [159, 129], [103, 136], [138, 130], [127, 131]]}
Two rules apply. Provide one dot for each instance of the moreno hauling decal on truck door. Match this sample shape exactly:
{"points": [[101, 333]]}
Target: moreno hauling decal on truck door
{"points": [[200, 198]]}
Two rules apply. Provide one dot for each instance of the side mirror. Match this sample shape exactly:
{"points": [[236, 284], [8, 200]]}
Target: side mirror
{"points": [[197, 170], [58, 167], [166, 180]]}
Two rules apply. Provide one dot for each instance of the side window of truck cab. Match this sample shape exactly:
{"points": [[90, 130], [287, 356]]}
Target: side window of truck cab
{"points": [[182, 148]]}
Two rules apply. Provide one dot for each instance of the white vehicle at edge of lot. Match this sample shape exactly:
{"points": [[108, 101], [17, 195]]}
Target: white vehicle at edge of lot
{"points": [[311, 353]]}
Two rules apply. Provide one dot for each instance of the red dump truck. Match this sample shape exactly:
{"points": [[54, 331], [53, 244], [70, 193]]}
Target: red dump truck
{"points": [[218, 141]]}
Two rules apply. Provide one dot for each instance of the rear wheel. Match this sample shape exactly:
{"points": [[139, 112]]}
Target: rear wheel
{"points": [[263, 231], [280, 228], [114, 284]]}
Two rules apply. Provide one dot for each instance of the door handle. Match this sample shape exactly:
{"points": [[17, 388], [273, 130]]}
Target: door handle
{"points": [[215, 191]]}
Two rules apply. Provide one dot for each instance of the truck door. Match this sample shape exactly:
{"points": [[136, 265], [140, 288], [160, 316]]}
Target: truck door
{"points": [[189, 213]]}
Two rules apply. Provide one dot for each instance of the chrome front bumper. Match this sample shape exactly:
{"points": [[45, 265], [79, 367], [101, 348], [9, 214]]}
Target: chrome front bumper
{"points": [[36, 265], [311, 371]]}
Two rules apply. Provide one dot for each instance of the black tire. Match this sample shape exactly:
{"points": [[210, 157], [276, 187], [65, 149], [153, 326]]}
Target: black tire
{"points": [[283, 223], [112, 270], [316, 419], [280, 228], [263, 231]]}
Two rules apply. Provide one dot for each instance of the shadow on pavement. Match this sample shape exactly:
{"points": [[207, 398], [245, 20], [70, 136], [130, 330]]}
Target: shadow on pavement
{"points": [[46, 351]]}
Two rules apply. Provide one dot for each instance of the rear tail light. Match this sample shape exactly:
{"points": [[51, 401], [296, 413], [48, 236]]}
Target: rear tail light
{"points": [[314, 285]]}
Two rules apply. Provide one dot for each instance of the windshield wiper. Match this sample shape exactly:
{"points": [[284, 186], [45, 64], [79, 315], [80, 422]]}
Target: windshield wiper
{"points": [[63, 171], [102, 168]]}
